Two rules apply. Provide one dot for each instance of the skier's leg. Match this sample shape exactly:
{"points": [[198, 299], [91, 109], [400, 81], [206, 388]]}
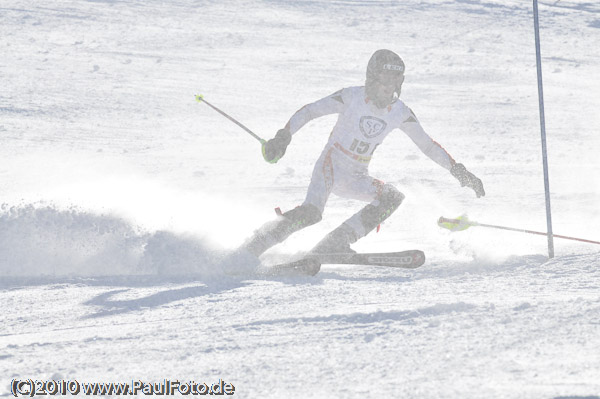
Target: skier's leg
{"points": [[387, 200], [274, 232], [368, 218], [307, 214]]}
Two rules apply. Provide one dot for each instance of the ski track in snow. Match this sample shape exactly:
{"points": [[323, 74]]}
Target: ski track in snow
{"points": [[120, 194]]}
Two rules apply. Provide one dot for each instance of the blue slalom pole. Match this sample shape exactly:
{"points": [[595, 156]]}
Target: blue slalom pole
{"points": [[543, 128]]}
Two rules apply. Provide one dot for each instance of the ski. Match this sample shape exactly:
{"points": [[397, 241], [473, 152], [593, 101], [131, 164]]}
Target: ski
{"points": [[310, 265], [410, 259]]}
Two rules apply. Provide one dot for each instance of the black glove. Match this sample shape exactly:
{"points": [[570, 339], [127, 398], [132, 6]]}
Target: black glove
{"points": [[275, 148], [468, 179]]}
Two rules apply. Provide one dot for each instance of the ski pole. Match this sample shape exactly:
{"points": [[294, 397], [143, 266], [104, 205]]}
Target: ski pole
{"points": [[200, 99], [463, 223]]}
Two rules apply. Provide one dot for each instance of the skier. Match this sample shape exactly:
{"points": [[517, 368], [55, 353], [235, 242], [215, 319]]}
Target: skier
{"points": [[367, 114]]}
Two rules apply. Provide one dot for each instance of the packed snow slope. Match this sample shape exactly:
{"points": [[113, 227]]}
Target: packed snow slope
{"points": [[120, 193]]}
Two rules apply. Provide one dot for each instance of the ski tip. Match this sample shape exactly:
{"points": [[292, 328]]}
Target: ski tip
{"points": [[418, 259]]}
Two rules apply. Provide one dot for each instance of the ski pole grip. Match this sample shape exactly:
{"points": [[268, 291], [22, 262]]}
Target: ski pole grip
{"points": [[445, 220], [458, 224]]}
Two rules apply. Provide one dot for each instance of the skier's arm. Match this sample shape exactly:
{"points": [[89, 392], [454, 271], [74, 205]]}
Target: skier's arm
{"points": [[426, 144], [275, 148], [436, 152], [333, 104]]}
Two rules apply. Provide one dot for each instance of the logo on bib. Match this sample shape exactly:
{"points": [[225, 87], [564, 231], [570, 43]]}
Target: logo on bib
{"points": [[371, 126]]}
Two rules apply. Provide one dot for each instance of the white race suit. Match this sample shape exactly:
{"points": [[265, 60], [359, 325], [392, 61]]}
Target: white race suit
{"points": [[361, 127], [342, 167]]}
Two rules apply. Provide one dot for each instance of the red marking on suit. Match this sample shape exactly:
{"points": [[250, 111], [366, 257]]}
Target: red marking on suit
{"points": [[328, 171]]}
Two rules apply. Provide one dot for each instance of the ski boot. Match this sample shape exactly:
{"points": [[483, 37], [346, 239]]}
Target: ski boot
{"points": [[337, 242], [239, 262], [275, 232]]}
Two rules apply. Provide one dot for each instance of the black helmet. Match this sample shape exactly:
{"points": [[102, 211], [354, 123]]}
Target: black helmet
{"points": [[385, 74]]}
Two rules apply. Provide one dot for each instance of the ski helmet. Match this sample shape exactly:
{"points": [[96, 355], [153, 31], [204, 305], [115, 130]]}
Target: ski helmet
{"points": [[385, 74]]}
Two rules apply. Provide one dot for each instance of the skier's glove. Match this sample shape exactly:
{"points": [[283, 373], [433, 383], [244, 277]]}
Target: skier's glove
{"points": [[274, 149], [468, 179]]}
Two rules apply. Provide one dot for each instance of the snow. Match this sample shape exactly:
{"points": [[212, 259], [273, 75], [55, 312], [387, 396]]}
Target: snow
{"points": [[120, 194]]}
